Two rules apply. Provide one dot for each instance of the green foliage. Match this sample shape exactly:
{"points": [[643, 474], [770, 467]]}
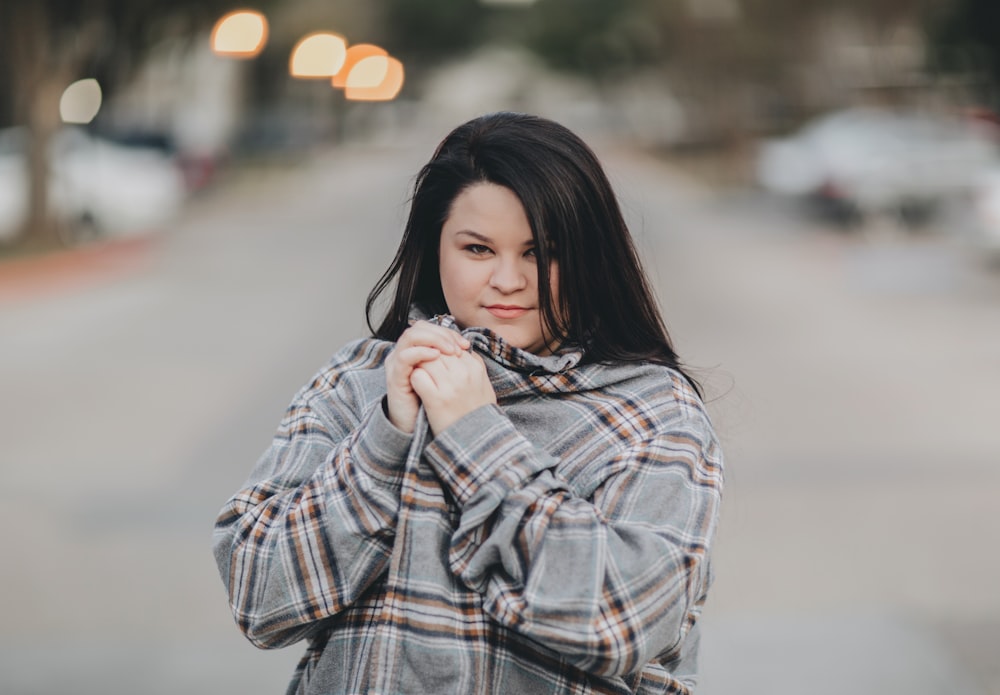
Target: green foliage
{"points": [[596, 37], [425, 31], [966, 38], [593, 37]]}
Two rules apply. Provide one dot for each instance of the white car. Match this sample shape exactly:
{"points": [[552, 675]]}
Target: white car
{"points": [[96, 187], [868, 161], [986, 214]]}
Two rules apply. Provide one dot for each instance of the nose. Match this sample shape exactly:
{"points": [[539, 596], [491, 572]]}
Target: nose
{"points": [[508, 276]]}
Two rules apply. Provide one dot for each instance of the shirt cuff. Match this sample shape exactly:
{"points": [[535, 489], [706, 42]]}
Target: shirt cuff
{"points": [[382, 448], [483, 454]]}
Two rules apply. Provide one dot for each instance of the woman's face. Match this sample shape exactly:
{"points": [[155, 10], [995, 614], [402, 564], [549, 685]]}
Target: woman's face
{"points": [[488, 271]]}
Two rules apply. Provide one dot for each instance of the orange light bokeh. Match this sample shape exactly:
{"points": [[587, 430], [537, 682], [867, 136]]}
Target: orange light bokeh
{"points": [[239, 34], [355, 54], [320, 54], [376, 78]]}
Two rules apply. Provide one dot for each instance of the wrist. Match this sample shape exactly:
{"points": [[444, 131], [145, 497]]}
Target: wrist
{"points": [[404, 425]]}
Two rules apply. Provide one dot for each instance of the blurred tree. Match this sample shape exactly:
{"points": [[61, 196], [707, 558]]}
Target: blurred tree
{"points": [[601, 39], [724, 57], [425, 32], [966, 41], [47, 44], [595, 38]]}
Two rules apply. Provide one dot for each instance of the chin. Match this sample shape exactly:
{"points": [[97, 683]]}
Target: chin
{"points": [[522, 343], [512, 339]]}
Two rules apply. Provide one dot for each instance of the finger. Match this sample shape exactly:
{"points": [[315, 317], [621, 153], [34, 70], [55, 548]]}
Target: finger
{"points": [[422, 382], [448, 376], [424, 333], [467, 371], [413, 356], [438, 368], [427, 339], [445, 336]]}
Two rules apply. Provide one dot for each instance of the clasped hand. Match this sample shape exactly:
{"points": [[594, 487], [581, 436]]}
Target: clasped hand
{"points": [[432, 365]]}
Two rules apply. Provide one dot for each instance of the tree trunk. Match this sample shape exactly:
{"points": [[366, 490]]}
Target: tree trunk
{"points": [[37, 107], [41, 226], [42, 68]]}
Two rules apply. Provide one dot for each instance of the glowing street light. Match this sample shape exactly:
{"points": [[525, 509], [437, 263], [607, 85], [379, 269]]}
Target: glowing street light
{"points": [[355, 54], [376, 78], [240, 34], [80, 102], [320, 54]]}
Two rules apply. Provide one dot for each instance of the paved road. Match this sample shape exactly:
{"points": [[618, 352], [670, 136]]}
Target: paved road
{"points": [[854, 381]]}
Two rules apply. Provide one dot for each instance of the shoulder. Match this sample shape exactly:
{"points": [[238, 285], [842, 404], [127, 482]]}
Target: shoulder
{"points": [[357, 367], [660, 395], [630, 418], [357, 357], [678, 422]]}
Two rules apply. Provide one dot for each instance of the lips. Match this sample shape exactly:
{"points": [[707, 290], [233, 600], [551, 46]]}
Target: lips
{"points": [[502, 311]]}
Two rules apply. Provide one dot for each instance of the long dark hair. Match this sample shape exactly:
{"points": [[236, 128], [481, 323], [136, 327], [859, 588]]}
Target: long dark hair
{"points": [[605, 302]]}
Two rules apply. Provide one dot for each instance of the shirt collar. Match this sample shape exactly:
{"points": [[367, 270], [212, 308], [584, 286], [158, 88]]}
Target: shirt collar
{"points": [[492, 346]]}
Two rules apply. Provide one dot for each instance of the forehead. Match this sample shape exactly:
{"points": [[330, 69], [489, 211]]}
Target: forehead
{"points": [[487, 209]]}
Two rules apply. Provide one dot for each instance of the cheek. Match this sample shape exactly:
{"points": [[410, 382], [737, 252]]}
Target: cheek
{"points": [[457, 282]]}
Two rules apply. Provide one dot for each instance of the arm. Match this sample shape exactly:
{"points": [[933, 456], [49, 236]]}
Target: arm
{"points": [[609, 582], [314, 526]]}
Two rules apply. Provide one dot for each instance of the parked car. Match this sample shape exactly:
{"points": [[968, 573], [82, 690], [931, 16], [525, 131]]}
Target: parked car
{"points": [[860, 162], [986, 214], [96, 187]]}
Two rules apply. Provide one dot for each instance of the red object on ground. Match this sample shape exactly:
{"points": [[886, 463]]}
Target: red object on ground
{"points": [[59, 271]]}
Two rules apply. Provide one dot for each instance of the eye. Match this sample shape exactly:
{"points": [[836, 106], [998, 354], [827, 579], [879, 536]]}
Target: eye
{"points": [[477, 249]]}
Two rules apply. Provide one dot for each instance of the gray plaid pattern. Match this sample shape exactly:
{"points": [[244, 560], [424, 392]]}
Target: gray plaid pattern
{"points": [[557, 542]]}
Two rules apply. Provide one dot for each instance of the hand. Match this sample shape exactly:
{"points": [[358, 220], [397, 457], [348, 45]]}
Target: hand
{"points": [[421, 342], [452, 386]]}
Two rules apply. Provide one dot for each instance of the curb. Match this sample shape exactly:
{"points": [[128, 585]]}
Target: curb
{"points": [[63, 271]]}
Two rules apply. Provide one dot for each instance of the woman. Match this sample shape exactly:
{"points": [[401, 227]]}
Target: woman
{"points": [[513, 486]]}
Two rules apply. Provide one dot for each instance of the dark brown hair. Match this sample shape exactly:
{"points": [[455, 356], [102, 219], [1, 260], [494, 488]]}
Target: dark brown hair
{"points": [[606, 304]]}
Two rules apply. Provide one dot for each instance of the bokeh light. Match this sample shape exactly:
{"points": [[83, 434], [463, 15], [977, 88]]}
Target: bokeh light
{"points": [[240, 34], [80, 102], [376, 78], [356, 54], [320, 54]]}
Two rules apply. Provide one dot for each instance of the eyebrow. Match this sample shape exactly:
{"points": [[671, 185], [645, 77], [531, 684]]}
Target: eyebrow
{"points": [[485, 239]]}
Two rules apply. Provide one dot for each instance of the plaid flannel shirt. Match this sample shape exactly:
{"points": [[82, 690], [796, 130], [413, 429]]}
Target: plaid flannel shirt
{"points": [[557, 542]]}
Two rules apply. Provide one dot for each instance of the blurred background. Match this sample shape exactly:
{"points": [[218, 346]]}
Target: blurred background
{"points": [[196, 197]]}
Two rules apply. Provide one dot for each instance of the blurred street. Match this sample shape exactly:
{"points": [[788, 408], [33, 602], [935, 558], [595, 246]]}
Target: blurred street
{"points": [[853, 378]]}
